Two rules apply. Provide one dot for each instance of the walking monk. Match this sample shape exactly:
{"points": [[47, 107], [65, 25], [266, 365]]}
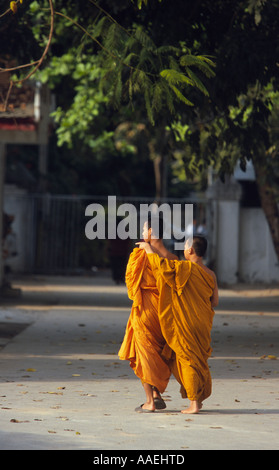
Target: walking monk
{"points": [[188, 293], [143, 341]]}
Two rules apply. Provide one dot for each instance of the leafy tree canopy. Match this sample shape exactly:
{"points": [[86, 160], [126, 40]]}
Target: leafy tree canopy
{"points": [[157, 59]]}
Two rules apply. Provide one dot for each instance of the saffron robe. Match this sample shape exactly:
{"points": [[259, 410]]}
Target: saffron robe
{"points": [[143, 341], [186, 316]]}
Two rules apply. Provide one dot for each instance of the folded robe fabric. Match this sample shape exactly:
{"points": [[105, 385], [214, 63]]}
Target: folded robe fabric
{"points": [[143, 341], [186, 317]]}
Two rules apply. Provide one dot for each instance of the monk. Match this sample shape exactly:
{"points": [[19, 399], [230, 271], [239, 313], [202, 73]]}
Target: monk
{"points": [[188, 292], [143, 341]]}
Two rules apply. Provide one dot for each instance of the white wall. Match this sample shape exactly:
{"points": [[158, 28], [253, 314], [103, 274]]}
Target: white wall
{"points": [[227, 241], [242, 248], [257, 258]]}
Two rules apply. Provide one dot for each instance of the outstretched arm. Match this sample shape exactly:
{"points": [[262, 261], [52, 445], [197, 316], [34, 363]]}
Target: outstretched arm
{"points": [[145, 246]]}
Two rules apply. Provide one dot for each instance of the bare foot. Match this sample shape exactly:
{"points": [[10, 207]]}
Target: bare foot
{"points": [[148, 406], [194, 408]]}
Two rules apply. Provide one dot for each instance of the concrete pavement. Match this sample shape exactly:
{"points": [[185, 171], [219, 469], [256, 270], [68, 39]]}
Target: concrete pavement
{"points": [[63, 386]]}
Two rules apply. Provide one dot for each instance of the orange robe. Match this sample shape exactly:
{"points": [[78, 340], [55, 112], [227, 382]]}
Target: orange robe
{"points": [[186, 317], [143, 341]]}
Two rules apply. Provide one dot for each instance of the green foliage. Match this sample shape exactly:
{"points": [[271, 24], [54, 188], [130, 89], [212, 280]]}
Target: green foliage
{"points": [[237, 122], [76, 122], [130, 69], [253, 124], [137, 66], [248, 131], [146, 61]]}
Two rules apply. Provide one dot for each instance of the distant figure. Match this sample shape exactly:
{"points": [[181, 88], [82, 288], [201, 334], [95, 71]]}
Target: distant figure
{"points": [[118, 251], [9, 241]]}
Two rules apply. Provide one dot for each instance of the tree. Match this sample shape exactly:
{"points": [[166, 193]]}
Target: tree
{"points": [[238, 121], [116, 62], [251, 126], [153, 61]]}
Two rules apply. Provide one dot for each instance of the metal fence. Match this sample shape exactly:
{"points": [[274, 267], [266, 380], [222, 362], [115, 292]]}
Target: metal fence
{"points": [[51, 231]]}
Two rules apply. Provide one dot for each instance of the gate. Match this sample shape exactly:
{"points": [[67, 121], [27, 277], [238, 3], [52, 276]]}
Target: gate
{"points": [[57, 227], [53, 237]]}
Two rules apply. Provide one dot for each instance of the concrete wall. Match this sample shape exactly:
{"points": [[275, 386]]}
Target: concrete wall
{"points": [[257, 258], [242, 248], [228, 241]]}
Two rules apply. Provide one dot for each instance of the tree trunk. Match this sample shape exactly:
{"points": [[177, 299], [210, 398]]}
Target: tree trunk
{"points": [[160, 171], [269, 203], [159, 150]]}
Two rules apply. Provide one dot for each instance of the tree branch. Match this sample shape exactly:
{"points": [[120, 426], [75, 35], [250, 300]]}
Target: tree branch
{"points": [[38, 62], [8, 10]]}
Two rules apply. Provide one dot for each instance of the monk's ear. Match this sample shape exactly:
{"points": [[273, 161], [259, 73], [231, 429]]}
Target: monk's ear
{"points": [[191, 251]]}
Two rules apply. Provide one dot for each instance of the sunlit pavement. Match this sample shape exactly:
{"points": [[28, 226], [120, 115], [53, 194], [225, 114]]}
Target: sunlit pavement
{"points": [[63, 386]]}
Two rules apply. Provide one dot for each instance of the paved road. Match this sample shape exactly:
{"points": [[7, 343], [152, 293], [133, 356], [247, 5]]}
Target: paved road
{"points": [[63, 387]]}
